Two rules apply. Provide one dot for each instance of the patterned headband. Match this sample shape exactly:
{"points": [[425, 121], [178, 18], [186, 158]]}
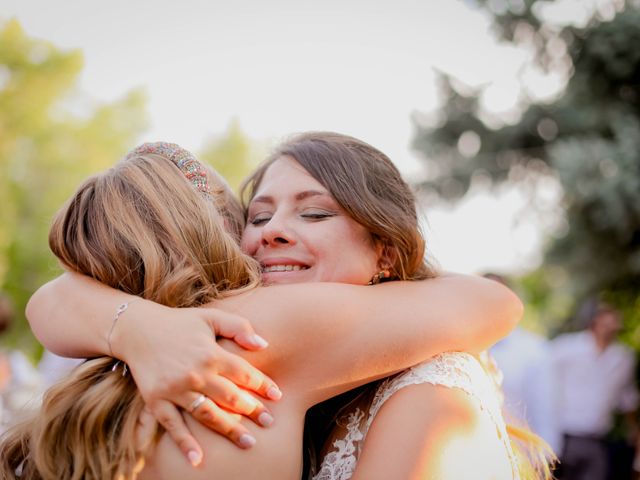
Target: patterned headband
{"points": [[183, 159]]}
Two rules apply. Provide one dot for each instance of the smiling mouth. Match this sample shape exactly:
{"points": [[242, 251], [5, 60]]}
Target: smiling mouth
{"points": [[283, 268]]}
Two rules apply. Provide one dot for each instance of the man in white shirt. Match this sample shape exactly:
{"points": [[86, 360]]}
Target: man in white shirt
{"points": [[527, 380], [529, 383], [595, 378]]}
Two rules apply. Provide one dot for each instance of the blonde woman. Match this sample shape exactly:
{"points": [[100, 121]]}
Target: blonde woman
{"points": [[336, 341]]}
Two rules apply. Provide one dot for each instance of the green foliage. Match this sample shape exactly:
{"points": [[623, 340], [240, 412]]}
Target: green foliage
{"points": [[233, 155], [588, 139], [45, 152], [544, 291]]}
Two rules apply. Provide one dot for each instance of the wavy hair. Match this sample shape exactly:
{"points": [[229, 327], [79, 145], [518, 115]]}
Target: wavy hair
{"points": [[142, 228], [368, 186]]}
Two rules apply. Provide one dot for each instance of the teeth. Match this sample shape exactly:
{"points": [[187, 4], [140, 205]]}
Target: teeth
{"points": [[283, 268]]}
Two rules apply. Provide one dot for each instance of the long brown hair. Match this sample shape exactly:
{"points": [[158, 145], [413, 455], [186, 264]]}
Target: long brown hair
{"points": [[368, 186], [370, 189], [139, 227]]}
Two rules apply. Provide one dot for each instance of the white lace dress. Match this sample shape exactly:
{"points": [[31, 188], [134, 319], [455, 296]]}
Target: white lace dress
{"points": [[453, 370]]}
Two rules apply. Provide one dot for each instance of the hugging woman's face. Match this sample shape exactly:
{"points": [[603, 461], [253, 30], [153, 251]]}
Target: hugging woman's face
{"points": [[299, 233]]}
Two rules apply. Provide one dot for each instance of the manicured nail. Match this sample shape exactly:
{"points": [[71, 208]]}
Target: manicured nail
{"points": [[274, 393], [258, 341], [265, 419], [246, 440], [194, 458]]}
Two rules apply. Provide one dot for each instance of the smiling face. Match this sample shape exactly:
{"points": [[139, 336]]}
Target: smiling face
{"points": [[299, 233]]}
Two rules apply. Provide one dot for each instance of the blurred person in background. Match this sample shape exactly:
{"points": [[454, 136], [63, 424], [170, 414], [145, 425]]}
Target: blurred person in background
{"points": [[5, 370], [19, 381], [53, 368], [528, 381], [595, 379]]}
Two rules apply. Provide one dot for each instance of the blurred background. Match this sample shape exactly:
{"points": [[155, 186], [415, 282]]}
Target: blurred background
{"points": [[517, 121]]}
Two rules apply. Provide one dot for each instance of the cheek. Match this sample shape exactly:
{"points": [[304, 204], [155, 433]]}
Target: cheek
{"points": [[250, 241], [351, 256]]}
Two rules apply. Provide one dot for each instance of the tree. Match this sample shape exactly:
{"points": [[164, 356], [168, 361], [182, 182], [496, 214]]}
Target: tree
{"points": [[233, 154], [45, 152], [587, 139]]}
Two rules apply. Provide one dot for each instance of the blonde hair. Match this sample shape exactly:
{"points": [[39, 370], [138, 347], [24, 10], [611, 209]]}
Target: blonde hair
{"points": [[535, 458], [142, 228]]}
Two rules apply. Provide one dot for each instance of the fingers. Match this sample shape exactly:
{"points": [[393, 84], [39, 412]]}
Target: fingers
{"points": [[236, 328], [209, 414], [246, 376], [171, 419], [242, 373], [221, 421], [236, 400]]}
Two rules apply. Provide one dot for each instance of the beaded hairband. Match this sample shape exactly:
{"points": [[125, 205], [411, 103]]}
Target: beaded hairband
{"points": [[183, 159]]}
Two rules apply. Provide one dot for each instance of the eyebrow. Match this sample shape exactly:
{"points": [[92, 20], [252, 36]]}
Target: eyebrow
{"points": [[299, 196]]}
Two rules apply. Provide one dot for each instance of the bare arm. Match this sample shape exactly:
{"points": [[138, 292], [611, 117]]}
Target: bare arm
{"points": [[73, 316], [406, 321], [320, 346], [402, 322], [326, 338], [452, 439]]}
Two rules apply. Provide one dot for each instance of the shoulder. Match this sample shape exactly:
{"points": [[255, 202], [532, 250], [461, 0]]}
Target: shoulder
{"points": [[428, 433], [570, 341], [445, 377], [523, 346], [451, 369], [440, 426], [624, 354], [567, 338], [623, 350], [452, 374]]}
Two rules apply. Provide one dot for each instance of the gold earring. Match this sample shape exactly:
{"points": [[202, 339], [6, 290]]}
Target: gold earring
{"points": [[378, 277]]}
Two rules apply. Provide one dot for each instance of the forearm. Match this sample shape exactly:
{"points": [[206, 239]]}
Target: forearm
{"points": [[451, 313], [72, 315], [374, 330], [489, 311]]}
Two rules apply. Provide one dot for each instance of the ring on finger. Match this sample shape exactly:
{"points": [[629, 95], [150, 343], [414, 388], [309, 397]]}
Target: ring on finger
{"points": [[196, 403]]}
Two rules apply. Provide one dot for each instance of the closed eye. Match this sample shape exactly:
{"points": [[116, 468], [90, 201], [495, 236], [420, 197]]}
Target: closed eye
{"points": [[317, 216], [259, 220]]}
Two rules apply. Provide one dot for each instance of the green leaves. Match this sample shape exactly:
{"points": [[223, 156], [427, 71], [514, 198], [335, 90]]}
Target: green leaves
{"points": [[45, 151], [588, 139]]}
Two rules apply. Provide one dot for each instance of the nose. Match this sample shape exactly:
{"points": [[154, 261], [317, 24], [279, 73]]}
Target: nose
{"points": [[276, 233]]}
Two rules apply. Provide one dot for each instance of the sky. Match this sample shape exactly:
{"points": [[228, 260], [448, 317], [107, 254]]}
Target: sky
{"points": [[357, 67]]}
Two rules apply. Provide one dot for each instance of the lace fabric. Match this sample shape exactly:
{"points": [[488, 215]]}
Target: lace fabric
{"points": [[452, 370]]}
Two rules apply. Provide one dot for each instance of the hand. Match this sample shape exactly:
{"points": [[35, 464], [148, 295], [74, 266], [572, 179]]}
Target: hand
{"points": [[174, 359]]}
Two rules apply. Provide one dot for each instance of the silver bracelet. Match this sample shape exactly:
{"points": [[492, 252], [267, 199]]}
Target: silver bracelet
{"points": [[121, 309]]}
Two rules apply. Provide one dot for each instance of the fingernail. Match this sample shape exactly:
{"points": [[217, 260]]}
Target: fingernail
{"points": [[265, 419], [246, 440], [258, 341], [194, 458], [274, 393]]}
